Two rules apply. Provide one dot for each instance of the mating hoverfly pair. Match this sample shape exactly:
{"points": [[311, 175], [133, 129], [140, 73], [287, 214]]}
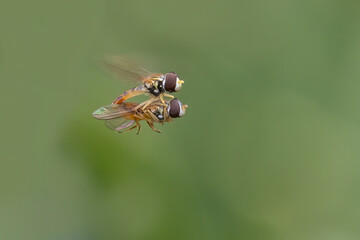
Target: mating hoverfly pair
{"points": [[121, 116]]}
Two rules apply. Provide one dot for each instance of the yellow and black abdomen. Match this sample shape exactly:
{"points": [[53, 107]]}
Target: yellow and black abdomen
{"points": [[130, 93]]}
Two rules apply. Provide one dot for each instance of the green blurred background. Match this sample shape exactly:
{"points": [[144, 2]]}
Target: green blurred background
{"points": [[268, 149]]}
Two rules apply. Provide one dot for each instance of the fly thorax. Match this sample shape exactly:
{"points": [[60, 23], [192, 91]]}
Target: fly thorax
{"points": [[156, 87], [159, 113], [148, 85]]}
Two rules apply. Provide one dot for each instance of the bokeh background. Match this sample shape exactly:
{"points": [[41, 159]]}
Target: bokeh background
{"points": [[268, 149]]}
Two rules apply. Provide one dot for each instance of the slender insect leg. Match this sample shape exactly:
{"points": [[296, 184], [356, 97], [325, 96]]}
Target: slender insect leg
{"points": [[162, 99], [168, 95], [152, 127], [138, 116], [151, 115], [166, 116], [137, 123], [146, 103], [139, 106], [127, 129]]}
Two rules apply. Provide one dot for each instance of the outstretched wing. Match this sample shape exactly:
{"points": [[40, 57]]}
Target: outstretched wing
{"points": [[113, 111], [124, 68]]}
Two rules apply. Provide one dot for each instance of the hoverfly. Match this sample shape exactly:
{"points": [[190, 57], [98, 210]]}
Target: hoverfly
{"points": [[122, 117], [155, 84]]}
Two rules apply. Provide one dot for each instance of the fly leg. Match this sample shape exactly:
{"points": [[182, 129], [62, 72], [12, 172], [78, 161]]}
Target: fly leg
{"points": [[127, 129], [152, 127], [147, 103], [168, 95], [137, 117], [137, 123], [143, 105], [165, 95], [163, 103], [140, 105], [167, 118], [151, 115], [162, 99]]}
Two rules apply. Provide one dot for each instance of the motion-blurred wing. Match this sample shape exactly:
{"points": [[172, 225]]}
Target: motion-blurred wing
{"points": [[124, 68], [114, 111]]}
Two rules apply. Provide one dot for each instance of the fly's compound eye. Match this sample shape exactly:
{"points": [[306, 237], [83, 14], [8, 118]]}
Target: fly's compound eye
{"points": [[176, 109], [172, 83]]}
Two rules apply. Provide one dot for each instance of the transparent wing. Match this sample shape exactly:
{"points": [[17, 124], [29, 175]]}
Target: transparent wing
{"points": [[124, 68], [118, 124], [114, 111]]}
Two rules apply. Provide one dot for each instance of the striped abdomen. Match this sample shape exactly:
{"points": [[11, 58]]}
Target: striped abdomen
{"points": [[130, 93]]}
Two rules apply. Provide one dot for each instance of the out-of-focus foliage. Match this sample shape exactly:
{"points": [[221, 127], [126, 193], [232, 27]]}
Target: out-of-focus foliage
{"points": [[268, 148]]}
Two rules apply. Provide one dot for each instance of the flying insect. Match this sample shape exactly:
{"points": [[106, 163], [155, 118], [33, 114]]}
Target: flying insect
{"points": [[157, 85], [122, 117]]}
